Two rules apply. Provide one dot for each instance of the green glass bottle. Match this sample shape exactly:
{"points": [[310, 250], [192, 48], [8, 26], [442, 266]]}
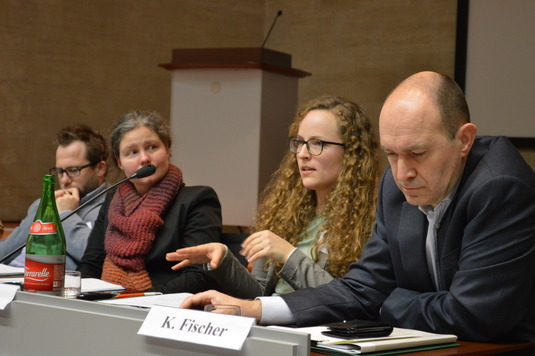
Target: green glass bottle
{"points": [[44, 270]]}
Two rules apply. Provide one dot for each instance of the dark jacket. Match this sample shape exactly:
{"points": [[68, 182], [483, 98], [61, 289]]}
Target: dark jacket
{"points": [[193, 218], [486, 258]]}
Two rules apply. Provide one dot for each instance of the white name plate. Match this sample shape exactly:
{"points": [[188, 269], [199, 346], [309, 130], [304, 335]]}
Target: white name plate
{"points": [[198, 327]]}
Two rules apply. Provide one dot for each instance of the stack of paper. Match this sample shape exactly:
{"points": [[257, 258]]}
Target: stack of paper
{"points": [[400, 341]]}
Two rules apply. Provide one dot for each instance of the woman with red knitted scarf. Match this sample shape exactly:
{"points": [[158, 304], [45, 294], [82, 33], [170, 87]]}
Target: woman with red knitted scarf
{"points": [[144, 218]]}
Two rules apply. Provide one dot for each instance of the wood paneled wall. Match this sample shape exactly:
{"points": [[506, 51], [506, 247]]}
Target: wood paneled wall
{"points": [[65, 61]]}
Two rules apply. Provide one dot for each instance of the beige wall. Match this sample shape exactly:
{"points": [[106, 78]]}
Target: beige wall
{"points": [[69, 61], [66, 61]]}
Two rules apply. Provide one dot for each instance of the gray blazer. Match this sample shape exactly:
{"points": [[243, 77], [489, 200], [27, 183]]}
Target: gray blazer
{"points": [[76, 228], [299, 272], [485, 257]]}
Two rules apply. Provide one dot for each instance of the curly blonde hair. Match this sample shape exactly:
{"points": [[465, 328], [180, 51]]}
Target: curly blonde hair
{"points": [[286, 206]]}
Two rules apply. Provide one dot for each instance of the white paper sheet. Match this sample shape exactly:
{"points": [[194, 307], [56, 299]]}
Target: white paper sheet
{"points": [[98, 285], [7, 293], [8, 270], [168, 300]]}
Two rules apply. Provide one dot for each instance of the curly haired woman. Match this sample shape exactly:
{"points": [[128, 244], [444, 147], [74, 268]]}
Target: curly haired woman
{"points": [[315, 215]]}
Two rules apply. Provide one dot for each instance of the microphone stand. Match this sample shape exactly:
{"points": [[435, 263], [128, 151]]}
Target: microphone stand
{"points": [[104, 191], [143, 172], [279, 13]]}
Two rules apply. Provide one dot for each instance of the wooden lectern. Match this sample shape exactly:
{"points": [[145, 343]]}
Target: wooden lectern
{"points": [[230, 113]]}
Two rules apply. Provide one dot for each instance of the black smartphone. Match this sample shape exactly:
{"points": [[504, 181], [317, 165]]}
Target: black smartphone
{"points": [[352, 329], [96, 295]]}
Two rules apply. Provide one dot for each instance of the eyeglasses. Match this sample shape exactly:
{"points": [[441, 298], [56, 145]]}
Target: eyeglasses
{"points": [[70, 171], [314, 145]]}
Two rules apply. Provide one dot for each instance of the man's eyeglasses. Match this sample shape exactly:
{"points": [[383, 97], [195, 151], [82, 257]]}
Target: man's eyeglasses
{"points": [[70, 171], [314, 145]]}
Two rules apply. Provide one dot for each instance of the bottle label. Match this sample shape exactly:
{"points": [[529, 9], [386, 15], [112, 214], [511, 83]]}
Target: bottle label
{"points": [[44, 273], [43, 228]]}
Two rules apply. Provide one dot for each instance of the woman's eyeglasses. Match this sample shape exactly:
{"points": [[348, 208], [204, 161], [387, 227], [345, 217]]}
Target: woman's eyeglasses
{"points": [[314, 145]]}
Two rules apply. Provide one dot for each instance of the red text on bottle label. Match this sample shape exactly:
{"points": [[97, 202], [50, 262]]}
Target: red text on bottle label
{"points": [[43, 228]]}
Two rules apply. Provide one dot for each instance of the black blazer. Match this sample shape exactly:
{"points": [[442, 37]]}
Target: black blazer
{"points": [[194, 218], [486, 258]]}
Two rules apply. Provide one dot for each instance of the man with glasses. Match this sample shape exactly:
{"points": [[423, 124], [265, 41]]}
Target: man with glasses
{"points": [[80, 170]]}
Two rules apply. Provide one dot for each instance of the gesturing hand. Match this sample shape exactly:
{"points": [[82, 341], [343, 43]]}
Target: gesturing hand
{"points": [[265, 244], [211, 253]]}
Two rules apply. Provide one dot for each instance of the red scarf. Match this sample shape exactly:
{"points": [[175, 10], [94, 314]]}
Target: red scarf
{"points": [[134, 220]]}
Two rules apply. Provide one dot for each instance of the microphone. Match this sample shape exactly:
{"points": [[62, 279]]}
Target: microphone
{"points": [[279, 14], [143, 172]]}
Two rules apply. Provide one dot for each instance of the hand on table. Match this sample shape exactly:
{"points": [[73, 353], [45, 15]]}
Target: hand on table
{"points": [[250, 308]]}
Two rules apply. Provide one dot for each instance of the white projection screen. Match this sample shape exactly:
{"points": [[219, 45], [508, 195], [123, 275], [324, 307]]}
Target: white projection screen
{"points": [[497, 68]]}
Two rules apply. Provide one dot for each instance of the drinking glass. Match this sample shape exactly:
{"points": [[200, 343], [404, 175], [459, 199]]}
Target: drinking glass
{"points": [[223, 309], [73, 284]]}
